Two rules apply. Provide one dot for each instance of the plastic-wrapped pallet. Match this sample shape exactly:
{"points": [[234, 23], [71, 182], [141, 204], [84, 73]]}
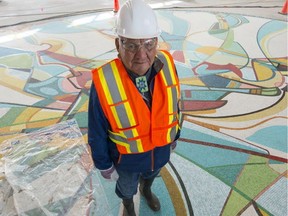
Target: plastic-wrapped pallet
{"points": [[50, 172]]}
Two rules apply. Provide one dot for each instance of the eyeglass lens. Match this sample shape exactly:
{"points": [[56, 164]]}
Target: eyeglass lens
{"points": [[148, 44]]}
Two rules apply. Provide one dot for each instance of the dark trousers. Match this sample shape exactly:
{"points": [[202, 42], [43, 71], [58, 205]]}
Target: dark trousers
{"points": [[127, 184]]}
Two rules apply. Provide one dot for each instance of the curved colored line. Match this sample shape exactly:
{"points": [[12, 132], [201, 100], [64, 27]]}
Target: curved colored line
{"points": [[174, 192], [255, 125], [269, 156], [188, 202]]}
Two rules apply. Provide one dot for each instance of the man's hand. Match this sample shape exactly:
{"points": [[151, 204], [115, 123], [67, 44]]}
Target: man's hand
{"points": [[173, 146], [110, 174]]}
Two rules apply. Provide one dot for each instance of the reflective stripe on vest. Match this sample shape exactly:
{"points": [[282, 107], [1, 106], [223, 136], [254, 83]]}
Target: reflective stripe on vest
{"points": [[170, 81], [120, 113]]}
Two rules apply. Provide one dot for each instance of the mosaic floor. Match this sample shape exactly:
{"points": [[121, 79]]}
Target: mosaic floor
{"points": [[231, 158]]}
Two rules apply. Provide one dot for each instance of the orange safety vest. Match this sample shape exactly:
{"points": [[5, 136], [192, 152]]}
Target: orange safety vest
{"points": [[134, 127]]}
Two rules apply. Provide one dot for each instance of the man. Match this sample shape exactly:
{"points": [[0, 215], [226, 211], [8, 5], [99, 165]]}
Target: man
{"points": [[133, 108]]}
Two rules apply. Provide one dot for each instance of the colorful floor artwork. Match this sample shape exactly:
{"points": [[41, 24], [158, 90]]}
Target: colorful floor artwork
{"points": [[231, 158]]}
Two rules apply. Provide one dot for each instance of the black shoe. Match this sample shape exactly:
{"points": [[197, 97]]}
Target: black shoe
{"points": [[145, 190], [128, 207]]}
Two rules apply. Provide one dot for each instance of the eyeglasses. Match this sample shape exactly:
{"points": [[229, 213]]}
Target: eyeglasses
{"points": [[148, 44]]}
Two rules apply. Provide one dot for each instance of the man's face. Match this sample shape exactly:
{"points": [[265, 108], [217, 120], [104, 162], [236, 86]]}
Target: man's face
{"points": [[137, 54]]}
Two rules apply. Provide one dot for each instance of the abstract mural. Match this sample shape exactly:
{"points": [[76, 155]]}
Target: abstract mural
{"points": [[231, 158]]}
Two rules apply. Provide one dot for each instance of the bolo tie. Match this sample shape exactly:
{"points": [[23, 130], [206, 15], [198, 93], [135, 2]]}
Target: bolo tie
{"points": [[141, 84]]}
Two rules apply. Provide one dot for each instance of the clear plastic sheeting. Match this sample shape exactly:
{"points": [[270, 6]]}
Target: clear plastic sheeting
{"points": [[50, 172]]}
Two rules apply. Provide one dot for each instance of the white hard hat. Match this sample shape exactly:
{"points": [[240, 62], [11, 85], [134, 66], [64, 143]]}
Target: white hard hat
{"points": [[137, 20]]}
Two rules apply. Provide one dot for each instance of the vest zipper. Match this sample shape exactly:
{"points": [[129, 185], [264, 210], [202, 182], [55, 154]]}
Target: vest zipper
{"points": [[151, 94], [152, 160]]}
